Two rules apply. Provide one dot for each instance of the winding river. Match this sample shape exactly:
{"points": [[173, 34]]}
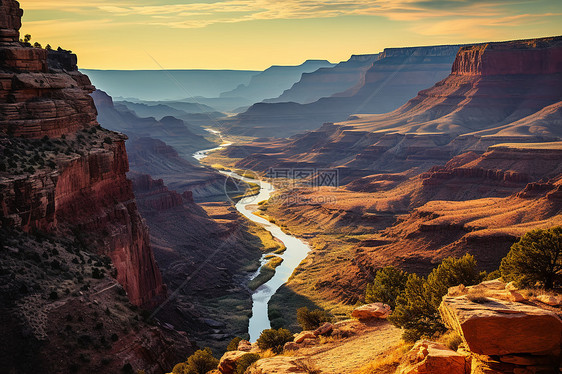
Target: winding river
{"points": [[296, 252]]}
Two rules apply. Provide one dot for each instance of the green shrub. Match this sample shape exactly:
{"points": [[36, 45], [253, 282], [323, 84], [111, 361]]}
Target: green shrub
{"points": [[536, 258], [274, 339], [233, 345], [417, 307], [312, 319], [245, 361], [389, 283], [201, 362]]}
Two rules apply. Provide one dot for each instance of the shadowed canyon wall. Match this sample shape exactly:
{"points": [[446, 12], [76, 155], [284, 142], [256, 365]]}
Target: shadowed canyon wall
{"points": [[43, 96]]}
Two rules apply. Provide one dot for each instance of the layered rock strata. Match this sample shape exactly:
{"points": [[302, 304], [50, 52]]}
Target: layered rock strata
{"points": [[83, 186], [503, 336]]}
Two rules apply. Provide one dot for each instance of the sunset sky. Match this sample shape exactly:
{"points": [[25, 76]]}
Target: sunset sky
{"points": [[246, 34]]}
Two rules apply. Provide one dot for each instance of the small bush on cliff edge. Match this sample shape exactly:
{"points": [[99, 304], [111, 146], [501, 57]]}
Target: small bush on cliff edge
{"points": [[312, 319], [233, 345], [389, 283], [536, 258], [245, 362], [274, 339], [417, 307], [200, 362]]}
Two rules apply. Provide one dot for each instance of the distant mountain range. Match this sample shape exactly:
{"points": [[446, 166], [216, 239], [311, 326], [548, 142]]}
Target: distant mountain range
{"points": [[274, 81], [167, 84], [326, 82], [397, 75]]}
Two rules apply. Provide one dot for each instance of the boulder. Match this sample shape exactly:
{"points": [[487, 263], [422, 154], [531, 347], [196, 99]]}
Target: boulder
{"points": [[552, 300], [499, 327], [325, 329], [291, 346], [299, 338], [244, 346], [278, 365], [227, 363], [372, 311], [495, 284], [432, 358], [494, 289], [310, 342]]}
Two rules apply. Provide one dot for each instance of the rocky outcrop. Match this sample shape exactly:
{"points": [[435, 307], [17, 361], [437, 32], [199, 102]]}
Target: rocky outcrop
{"points": [[85, 187], [227, 364], [10, 21], [510, 58], [154, 195], [432, 358], [501, 335], [41, 92], [280, 365]]}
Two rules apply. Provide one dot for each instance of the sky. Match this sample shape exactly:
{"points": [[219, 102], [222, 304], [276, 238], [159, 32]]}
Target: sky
{"points": [[255, 34]]}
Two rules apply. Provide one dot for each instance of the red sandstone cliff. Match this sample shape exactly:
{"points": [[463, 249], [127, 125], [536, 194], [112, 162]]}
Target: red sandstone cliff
{"points": [[42, 94], [535, 56], [497, 93]]}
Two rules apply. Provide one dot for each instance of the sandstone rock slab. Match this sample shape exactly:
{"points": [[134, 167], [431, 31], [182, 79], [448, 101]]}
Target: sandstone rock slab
{"points": [[228, 361], [299, 338], [372, 311], [551, 300], [291, 346], [498, 327], [432, 358], [325, 329], [278, 365], [244, 346]]}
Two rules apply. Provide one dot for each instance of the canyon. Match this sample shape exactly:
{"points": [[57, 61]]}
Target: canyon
{"points": [[128, 241], [65, 184], [467, 166]]}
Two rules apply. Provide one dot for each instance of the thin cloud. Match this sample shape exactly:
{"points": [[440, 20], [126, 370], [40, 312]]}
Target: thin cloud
{"points": [[446, 16], [481, 27], [244, 10]]}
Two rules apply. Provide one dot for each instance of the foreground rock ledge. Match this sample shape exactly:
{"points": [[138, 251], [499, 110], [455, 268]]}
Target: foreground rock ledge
{"points": [[432, 358], [497, 327]]}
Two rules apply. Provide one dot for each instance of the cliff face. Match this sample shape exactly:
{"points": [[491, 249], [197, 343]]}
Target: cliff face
{"points": [[83, 186], [511, 58]]}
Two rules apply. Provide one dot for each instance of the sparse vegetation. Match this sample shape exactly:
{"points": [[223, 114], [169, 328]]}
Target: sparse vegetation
{"points": [[274, 339], [27, 156], [307, 365], [201, 362], [451, 339], [312, 319], [245, 362], [388, 362], [536, 259], [233, 345], [389, 283], [417, 307]]}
